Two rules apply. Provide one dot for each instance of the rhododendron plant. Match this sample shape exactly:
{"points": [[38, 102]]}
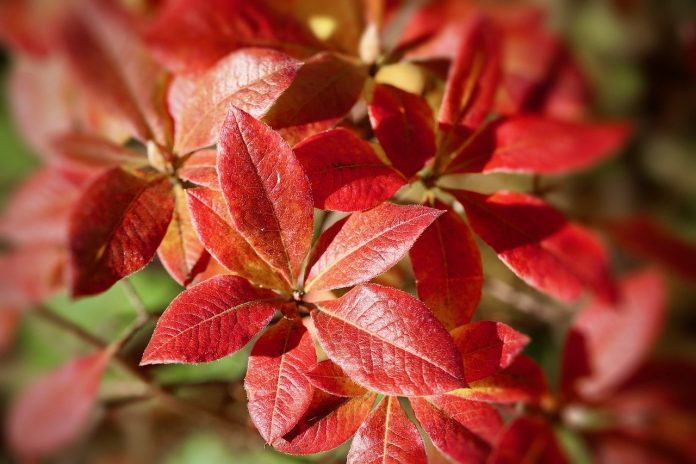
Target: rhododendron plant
{"points": [[309, 173]]}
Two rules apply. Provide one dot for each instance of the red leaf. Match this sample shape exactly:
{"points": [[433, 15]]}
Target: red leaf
{"points": [[115, 69], [345, 172], [9, 323], [55, 410], [461, 429], [39, 209], [410, 353], [616, 338], [528, 440], [278, 390], [540, 245], [523, 380], [181, 252], [404, 125], [323, 243], [201, 168], [537, 145], [213, 224], [32, 273], [387, 437], [250, 79], [473, 79], [189, 35], [646, 238], [324, 90], [330, 378], [328, 422], [210, 320], [487, 347], [94, 152], [368, 244], [267, 192], [447, 265], [116, 227]]}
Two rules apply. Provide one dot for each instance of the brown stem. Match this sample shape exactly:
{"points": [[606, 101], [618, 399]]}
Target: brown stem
{"points": [[176, 404]]}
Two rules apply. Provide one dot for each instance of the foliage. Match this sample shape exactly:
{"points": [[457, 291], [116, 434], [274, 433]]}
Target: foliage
{"points": [[320, 220]]}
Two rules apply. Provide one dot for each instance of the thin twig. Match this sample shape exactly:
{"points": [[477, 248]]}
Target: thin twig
{"points": [[525, 302], [135, 300], [153, 389]]}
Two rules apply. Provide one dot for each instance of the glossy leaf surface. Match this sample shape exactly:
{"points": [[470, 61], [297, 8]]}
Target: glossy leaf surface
{"points": [[404, 125], [52, 412], [324, 90], [523, 380], [250, 79], [345, 172], [220, 237], [473, 79], [368, 244], [447, 265], [210, 320], [329, 421], [116, 227], [389, 342], [387, 437], [540, 245], [460, 429], [181, 252], [267, 192], [278, 390], [487, 347], [328, 377]]}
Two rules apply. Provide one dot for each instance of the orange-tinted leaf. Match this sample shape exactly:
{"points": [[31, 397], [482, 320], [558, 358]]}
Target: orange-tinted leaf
{"points": [[201, 168], [189, 36], [181, 252], [278, 390], [52, 412], [473, 79], [538, 145], [614, 339], [267, 192], [324, 90], [328, 377], [210, 320], [523, 380], [116, 227], [540, 245], [447, 266], [328, 422], [345, 172], [404, 125], [368, 244], [646, 238], [387, 437], [463, 430], [220, 237], [250, 79], [487, 347], [410, 353], [528, 440]]}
